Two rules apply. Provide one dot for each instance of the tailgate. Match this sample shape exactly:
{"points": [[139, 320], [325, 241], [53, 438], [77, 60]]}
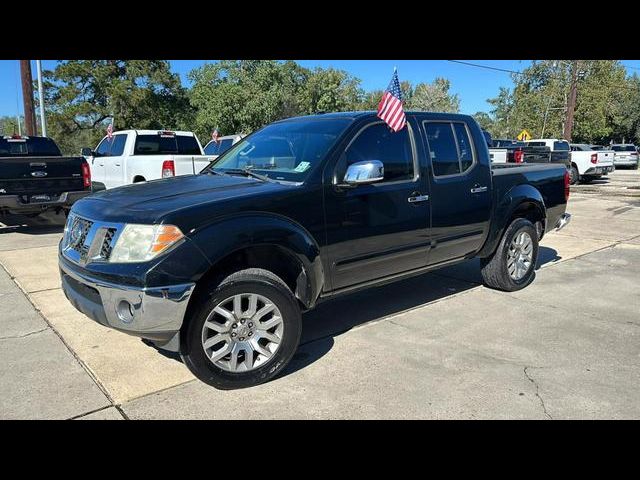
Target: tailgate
{"points": [[605, 158], [50, 175], [190, 164]]}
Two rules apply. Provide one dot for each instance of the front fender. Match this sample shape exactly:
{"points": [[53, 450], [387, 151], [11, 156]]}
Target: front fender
{"points": [[222, 238], [505, 210]]}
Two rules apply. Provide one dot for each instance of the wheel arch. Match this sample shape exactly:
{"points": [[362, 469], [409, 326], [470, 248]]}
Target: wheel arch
{"points": [[522, 201], [271, 242]]}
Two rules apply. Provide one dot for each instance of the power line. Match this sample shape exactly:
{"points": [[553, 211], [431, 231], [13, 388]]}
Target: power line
{"points": [[515, 72]]}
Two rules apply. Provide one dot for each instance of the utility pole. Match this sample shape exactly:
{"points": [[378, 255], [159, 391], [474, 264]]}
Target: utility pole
{"points": [[43, 121], [27, 97], [571, 104]]}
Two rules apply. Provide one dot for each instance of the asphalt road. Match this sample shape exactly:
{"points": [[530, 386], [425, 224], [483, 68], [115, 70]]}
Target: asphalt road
{"points": [[437, 346]]}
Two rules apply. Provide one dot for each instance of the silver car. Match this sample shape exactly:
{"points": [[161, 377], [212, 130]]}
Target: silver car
{"points": [[626, 155]]}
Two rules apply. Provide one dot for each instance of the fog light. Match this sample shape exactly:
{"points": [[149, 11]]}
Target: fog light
{"points": [[125, 311]]}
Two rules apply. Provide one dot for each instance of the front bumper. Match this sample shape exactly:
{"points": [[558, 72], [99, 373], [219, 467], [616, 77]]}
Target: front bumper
{"points": [[153, 313], [16, 203], [562, 222]]}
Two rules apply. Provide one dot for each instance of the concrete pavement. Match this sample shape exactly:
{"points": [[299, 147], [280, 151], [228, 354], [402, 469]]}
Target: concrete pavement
{"points": [[436, 346]]}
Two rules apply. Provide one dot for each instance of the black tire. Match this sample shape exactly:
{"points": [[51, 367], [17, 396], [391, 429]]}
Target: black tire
{"points": [[254, 280], [494, 268], [574, 175]]}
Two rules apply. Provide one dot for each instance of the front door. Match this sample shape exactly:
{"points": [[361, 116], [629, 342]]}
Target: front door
{"points": [[378, 229], [460, 183], [97, 164], [114, 165]]}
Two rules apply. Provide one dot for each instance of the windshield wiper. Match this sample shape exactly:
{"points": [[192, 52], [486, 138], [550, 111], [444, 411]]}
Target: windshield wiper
{"points": [[247, 173]]}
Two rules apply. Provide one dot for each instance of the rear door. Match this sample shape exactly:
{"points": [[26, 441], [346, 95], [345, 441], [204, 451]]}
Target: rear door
{"points": [[460, 197], [375, 230]]}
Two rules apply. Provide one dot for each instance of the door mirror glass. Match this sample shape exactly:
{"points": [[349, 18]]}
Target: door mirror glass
{"points": [[368, 171], [86, 152]]}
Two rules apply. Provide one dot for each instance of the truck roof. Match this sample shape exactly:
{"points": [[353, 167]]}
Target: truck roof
{"points": [[364, 113], [154, 132]]}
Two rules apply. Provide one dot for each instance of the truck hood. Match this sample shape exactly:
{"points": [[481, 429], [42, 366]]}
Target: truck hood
{"points": [[150, 202]]}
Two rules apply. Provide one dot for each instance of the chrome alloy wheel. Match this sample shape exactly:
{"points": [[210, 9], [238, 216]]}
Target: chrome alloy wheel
{"points": [[242, 332], [520, 256]]}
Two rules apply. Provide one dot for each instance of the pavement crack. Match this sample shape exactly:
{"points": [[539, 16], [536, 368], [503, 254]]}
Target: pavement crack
{"points": [[24, 335], [544, 408]]}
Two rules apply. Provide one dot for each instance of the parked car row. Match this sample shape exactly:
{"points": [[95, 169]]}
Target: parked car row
{"points": [[585, 162]]}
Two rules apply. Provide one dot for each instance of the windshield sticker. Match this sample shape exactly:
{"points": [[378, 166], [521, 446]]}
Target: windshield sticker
{"points": [[302, 167]]}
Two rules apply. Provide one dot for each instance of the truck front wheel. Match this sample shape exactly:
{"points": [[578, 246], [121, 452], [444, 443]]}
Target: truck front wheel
{"points": [[512, 266], [243, 331]]}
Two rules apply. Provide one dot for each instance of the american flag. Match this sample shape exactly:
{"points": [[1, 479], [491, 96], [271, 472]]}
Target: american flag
{"points": [[215, 135], [110, 131], [390, 107]]}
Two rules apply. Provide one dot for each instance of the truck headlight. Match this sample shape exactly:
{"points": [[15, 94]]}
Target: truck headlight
{"points": [[140, 243]]}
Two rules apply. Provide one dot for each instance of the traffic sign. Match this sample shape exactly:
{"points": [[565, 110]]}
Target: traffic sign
{"points": [[524, 135]]}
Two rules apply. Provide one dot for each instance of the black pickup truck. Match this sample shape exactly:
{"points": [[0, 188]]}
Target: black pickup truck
{"points": [[219, 266], [35, 177]]}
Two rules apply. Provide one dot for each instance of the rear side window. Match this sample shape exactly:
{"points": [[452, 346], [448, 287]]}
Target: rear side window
{"points": [[188, 145], [117, 147], [393, 149], [465, 151], [536, 144], [561, 146], [449, 147]]}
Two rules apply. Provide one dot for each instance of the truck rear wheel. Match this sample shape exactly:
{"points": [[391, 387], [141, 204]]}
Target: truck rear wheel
{"points": [[512, 266], [243, 331], [574, 175]]}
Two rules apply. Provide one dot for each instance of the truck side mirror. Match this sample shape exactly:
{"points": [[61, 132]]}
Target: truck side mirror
{"points": [[368, 171], [86, 152]]}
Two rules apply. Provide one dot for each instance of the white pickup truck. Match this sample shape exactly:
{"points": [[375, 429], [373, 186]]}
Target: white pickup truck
{"points": [[132, 156], [588, 164]]}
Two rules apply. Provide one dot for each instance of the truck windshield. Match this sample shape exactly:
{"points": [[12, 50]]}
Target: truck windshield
{"points": [[28, 147], [283, 151]]}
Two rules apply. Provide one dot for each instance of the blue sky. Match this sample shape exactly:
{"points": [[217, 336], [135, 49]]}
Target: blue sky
{"points": [[473, 85]]}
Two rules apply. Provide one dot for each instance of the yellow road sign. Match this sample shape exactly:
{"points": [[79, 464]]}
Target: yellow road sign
{"points": [[524, 135]]}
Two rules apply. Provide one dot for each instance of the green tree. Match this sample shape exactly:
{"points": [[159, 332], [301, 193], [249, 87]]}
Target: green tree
{"points": [[485, 121], [82, 95], [434, 97], [240, 96]]}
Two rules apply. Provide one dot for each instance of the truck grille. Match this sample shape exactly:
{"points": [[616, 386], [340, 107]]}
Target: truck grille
{"points": [[107, 244], [89, 241], [78, 233]]}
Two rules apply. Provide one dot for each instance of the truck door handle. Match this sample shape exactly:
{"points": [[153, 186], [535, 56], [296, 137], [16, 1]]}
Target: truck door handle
{"points": [[478, 189], [418, 198], [117, 164]]}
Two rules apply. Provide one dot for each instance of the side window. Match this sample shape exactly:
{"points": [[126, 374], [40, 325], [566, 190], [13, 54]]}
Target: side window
{"points": [[393, 149], [187, 145], [442, 147], [450, 147], [117, 149], [104, 147], [465, 150]]}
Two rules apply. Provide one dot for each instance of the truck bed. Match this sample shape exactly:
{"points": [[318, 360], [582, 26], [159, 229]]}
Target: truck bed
{"points": [[548, 179]]}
